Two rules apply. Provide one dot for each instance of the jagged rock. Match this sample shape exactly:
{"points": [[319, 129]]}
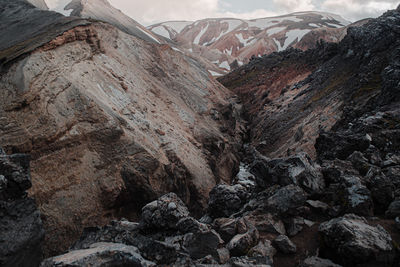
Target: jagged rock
{"points": [[299, 170], [354, 197], [240, 244], [20, 224], [284, 245], [267, 223], [359, 162], [317, 262], [350, 240], [335, 169], [100, 254], [286, 199], [226, 200], [263, 249], [201, 244], [226, 227], [190, 225], [294, 225], [382, 189], [394, 209], [164, 212]]}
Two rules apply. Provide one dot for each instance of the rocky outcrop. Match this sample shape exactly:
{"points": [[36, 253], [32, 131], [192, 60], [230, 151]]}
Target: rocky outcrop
{"points": [[349, 240], [112, 122], [17, 38], [102, 10], [20, 224]]}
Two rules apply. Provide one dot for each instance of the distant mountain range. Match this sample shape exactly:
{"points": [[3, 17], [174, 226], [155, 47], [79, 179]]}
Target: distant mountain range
{"points": [[229, 43]]}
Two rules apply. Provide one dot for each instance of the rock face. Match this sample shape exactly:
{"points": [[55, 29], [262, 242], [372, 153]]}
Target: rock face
{"points": [[112, 121], [20, 224], [18, 38], [229, 43], [350, 240]]}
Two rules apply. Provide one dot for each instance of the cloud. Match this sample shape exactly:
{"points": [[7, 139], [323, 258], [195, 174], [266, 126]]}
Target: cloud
{"points": [[358, 9], [294, 5], [152, 11]]}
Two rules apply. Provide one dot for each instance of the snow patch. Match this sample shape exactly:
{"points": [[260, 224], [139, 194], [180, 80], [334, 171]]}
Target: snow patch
{"points": [[203, 31], [178, 26], [148, 34], [272, 31], [225, 65], [215, 74], [293, 35], [160, 30], [232, 24]]}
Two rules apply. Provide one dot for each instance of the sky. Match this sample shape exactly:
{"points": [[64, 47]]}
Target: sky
{"points": [[148, 12]]}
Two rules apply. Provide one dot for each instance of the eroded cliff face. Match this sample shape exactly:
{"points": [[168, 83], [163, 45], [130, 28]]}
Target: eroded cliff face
{"points": [[111, 122]]}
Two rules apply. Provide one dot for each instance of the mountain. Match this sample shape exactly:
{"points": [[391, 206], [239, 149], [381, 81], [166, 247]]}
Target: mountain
{"points": [[229, 43], [110, 120], [102, 10]]}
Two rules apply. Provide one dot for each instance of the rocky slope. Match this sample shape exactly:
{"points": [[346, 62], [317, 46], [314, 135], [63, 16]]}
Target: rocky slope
{"points": [[111, 122], [343, 209], [229, 43]]}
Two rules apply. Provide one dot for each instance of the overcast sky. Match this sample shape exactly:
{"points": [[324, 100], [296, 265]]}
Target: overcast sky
{"points": [[148, 12]]}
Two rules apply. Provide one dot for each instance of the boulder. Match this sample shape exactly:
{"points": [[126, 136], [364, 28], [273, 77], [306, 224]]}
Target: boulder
{"points": [[226, 200], [350, 240], [190, 225], [286, 200], [20, 224], [394, 209], [226, 227], [263, 249], [382, 189], [267, 222], [397, 223], [283, 244], [202, 244], [240, 244], [100, 254], [164, 212], [317, 262], [299, 170]]}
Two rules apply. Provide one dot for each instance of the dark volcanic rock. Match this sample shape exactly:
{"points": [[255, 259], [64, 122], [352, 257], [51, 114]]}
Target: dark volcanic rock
{"points": [[286, 200], [100, 254], [226, 200], [20, 224], [299, 170], [164, 212], [350, 240], [241, 244], [284, 244], [202, 244]]}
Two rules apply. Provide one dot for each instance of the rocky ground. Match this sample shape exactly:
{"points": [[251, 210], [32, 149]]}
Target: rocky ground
{"points": [[318, 183]]}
